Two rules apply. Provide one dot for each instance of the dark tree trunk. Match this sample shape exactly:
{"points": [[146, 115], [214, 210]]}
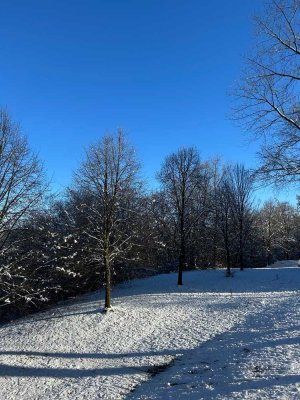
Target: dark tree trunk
{"points": [[182, 254], [227, 245], [269, 258], [107, 283], [241, 245], [228, 262], [242, 265], [181, 263]]}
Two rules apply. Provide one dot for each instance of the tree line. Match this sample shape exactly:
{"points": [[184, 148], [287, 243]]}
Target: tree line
{"points": [[107, 227]]}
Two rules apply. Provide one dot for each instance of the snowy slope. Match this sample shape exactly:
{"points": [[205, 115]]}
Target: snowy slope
{"points": [[224, 338]]}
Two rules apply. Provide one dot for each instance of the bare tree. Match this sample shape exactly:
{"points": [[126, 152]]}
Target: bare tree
{"points": [[180, 176], [216, 179], [234, 210], [241, 191], [22, 187], [268, 93], [199, 240], [223, 207], [109, 176]]}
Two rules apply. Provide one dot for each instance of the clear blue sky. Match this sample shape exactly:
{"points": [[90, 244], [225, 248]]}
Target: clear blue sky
{"points": [[161, 69]]}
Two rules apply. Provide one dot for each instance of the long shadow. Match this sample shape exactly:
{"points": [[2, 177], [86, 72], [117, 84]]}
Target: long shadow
{"points": [[90, 355], [42, 317], [17, 371], [60, 373]]}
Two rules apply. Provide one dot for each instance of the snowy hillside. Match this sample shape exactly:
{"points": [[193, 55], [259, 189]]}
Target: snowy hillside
{"points": [[213, 338]]}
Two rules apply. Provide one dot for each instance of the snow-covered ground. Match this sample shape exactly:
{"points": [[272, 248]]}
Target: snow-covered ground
{"points": [[213, 338]]}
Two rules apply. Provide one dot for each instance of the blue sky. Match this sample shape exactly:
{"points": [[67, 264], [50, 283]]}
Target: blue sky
{"points": [[71, 71]]}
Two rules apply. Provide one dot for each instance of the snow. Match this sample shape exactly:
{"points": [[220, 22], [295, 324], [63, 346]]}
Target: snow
{"points": [[212, 338]]}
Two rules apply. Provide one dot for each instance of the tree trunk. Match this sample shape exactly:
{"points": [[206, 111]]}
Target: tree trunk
{"points": [[269, 258], [226, 243], [107, 282], [182, 248], [227, 258], [181, 265], [241, 260], [241, 246]]}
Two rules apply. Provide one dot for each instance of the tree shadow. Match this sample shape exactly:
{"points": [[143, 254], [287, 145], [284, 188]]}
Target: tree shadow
{"points": [[90, 355], [60, 373], [152, 369]]}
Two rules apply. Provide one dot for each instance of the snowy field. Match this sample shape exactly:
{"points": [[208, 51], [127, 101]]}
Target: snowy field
{"points": [[213, 338]]}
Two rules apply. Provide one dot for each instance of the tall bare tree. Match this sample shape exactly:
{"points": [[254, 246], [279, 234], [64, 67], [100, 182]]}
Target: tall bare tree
{"points": [[181, 177], [22, 187], [241, 191], [216, 179], [109, 176], [268, 92], [223, 207]]}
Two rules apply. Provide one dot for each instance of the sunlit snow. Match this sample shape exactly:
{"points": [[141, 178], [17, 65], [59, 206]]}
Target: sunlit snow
{"points": [[212, 338]]}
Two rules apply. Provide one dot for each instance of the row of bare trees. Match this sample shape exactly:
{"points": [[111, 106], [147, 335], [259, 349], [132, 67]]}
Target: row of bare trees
{"points": [[108, 228]]}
